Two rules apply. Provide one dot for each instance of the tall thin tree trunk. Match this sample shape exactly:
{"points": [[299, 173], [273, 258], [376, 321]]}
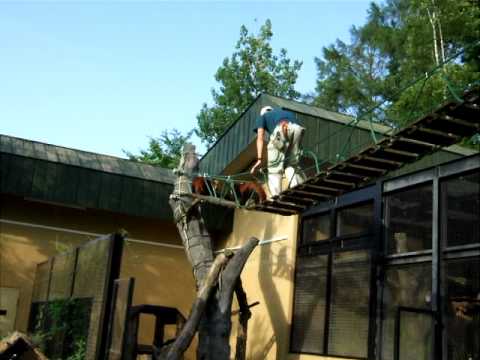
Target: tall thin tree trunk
{"points": [[431, 18]]}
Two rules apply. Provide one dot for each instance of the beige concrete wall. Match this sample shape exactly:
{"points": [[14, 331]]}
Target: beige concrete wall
{"points": [[268, 278], [162, 273]]}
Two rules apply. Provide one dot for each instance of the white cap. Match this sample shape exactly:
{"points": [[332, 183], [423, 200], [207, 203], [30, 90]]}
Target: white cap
{"points": [[265, 109]]}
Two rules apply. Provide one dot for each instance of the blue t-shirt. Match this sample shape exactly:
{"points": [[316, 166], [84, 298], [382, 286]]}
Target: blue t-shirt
{"points": [[271, 119]]}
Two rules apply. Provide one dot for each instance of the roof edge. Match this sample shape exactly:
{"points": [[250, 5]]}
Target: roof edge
{"points": [[167, 173]]}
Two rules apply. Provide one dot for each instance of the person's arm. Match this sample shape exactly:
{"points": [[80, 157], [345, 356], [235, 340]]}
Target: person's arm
{"points": [[260, 141]]}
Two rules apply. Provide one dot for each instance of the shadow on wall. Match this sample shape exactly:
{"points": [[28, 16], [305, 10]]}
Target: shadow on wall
{"points": [[268, 336]]}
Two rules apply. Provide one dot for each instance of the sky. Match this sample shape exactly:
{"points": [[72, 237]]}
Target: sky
{"points": [[104, 76]]}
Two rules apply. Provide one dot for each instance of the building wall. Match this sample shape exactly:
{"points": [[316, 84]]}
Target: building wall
{"points": [[268, 277], [162, 272]]}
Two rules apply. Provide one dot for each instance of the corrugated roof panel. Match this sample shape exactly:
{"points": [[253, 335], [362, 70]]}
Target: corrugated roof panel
{"points": [[234, 146]]}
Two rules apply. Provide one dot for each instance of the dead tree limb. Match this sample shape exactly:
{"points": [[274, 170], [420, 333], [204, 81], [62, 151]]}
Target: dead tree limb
{"points": [[218, 321], [181, 343], [244, 316], [215, 324]]}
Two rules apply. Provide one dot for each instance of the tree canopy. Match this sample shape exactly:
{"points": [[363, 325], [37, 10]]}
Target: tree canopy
{"points": [[252, 69], [164, 151], [401, 40]]}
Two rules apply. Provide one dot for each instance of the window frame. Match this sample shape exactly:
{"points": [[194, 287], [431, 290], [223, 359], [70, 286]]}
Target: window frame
{"points": [[385, 214], [439, 251], [368, 241], [436, 256]]}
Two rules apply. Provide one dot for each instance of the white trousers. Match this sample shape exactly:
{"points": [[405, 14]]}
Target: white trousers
{"points": [[284, 151]]}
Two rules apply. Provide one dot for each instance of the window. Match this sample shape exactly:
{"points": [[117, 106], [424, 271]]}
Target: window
{"points": [[316, 228], [349, 309], [461, 201], [463, 308], [355, 220], [407, 286], [310, 304], [332, 284], [408, 220]]}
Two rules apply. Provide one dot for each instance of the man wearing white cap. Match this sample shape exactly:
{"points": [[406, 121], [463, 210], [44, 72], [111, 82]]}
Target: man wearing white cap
{"points": [[283, 149]]}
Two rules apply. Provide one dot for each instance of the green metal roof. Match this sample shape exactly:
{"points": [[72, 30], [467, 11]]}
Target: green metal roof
{"points": [[84, 159], [326, 136], [45, 172]]}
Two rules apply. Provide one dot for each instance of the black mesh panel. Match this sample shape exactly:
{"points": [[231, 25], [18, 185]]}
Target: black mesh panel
{"points": [[349, 312], [407, 285], [309, 307]]}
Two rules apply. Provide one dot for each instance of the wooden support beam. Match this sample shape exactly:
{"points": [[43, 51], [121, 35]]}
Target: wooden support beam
{"points": [[297, 199], [367, 168], [275, 210], [415, 142], [214, 200], [400, 152], [319, 187], [288, 205], [460, 122], [349, 174], [310, 194], [345, 183], [427, 130], [380, 160], [472, 106]]}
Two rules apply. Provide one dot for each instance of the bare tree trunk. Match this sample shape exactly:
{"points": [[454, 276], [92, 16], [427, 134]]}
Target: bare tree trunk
{"points": [[213, 317], [432, 19]]}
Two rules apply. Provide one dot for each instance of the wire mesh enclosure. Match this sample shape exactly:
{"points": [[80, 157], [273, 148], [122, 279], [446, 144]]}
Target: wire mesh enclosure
{"points": [[72, 297]]}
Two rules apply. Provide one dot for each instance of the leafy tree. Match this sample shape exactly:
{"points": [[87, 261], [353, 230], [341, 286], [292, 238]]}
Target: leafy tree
{"points": [[251, 70], [400, 41], [164, 151]]}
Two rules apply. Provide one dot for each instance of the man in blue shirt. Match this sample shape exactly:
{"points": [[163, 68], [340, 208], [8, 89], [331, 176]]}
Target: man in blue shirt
{"points": [[283, 149]]}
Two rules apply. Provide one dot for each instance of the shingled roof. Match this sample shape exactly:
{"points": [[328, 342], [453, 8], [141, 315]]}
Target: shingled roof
{"points": [[73, 177]]}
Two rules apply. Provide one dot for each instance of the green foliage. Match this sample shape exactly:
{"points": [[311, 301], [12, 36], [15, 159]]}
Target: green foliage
{"points": [[164, 151], [401, 41], [61, 328], [80, 350], [251, 70]]}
